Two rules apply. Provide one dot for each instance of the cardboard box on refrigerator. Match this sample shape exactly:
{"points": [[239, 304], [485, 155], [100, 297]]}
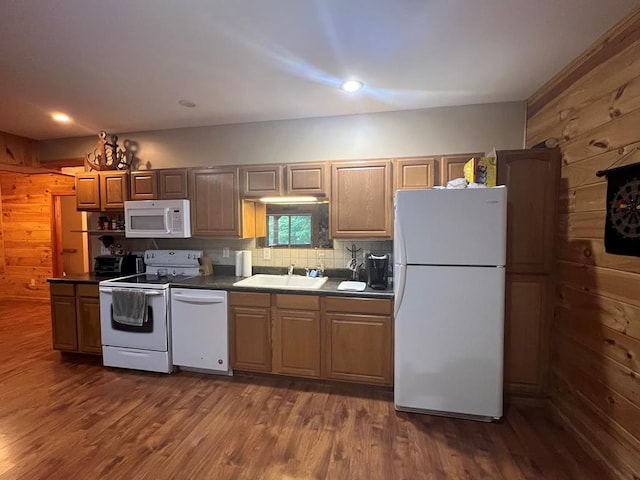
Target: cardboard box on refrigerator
{"points": [[481, 170]]}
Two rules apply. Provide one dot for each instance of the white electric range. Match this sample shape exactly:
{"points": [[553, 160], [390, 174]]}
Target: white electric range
{"points": [[143, 342]]}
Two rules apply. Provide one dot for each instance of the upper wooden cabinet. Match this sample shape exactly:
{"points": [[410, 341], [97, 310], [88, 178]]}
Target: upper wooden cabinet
{"points": [[307, 179], [166, 184], [262, 180], [144, 185], [361, 199], [532, 178], [173, 184], [414, 173], [287, 179], [452, 166], [107, 190], [216, 207]]}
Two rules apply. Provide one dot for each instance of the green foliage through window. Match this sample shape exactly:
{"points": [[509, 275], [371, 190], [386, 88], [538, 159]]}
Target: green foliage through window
{"points": [[289, 230]]}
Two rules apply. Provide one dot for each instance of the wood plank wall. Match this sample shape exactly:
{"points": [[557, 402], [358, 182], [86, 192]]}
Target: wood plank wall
{"points": [[25, 232], [593, 106]]}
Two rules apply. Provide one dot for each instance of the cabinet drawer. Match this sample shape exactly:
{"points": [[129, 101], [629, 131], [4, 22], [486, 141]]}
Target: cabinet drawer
{"points": [[249, 299], [298, 302], [359, 305], [86, 290], [63, 289]]}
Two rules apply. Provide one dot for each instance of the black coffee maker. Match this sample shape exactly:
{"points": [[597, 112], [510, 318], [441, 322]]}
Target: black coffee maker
{"points": [[377, 271]]}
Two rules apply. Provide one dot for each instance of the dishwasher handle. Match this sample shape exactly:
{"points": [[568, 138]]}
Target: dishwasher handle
{"points": [[186, 298]]}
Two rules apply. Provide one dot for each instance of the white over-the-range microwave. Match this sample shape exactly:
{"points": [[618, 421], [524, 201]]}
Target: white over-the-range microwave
{"points": [[157, 219]]}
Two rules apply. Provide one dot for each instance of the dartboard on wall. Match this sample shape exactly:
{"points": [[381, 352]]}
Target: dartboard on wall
{"points": [[622, 228]]}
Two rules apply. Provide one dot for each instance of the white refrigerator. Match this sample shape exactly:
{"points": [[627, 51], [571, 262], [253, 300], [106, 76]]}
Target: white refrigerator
{"points": [[449, 288]]}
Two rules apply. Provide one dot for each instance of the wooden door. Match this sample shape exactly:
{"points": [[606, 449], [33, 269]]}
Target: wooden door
{"points": [[63, 317], [250, 331], [144, 185], [113, 190], [452, 166], [87, 191], [361, 199], [173, 184], [262, 180], [532, 178], [307, 179], [88, 311], [414, 173], [215, 202], [296, 337]]}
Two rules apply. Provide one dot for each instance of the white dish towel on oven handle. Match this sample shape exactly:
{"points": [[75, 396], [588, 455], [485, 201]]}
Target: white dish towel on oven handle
{"points": [[129, 306]]}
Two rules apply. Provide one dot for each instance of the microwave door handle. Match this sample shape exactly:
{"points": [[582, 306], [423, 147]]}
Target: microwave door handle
{"points": [[167, 219]]}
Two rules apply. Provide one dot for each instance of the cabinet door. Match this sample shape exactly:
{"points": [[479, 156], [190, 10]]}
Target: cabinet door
{"points": [[63, 322], [307, 179], [173, 184], [251, 338], [113, 190], [359, 348], [532, 178], [452, 166], [361, 199], [87, 191], [296, 337], [215, 202], [528, 312], [144, 185], [89, 336], [414, 173], [262, 180]]}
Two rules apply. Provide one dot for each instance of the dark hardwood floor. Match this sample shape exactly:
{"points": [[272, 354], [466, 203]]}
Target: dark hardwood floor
{"points": [[64, 417]]}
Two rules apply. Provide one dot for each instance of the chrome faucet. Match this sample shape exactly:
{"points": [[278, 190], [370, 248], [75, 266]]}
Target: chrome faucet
{"points": [[290, 271]]}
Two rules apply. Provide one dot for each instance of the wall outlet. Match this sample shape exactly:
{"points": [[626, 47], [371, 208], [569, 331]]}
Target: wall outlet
{"points": [[33, 282], [225, 252], [266, 253]]}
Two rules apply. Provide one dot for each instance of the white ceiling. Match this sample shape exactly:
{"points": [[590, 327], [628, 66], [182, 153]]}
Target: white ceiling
{"points": [[122, 66]]}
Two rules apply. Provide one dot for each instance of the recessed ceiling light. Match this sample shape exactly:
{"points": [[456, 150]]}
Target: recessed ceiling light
{"points": [[187, 103], [352, 85], [61, 117]]}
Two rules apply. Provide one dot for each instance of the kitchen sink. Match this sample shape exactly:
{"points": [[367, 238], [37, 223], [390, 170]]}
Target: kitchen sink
{"points": [[288, 282]]}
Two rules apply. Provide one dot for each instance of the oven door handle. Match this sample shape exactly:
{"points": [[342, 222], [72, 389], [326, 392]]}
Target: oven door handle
{"points": [[150, 293]]}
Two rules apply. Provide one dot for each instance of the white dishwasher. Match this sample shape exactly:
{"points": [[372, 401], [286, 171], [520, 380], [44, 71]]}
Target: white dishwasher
{"points": [[199, 332]]}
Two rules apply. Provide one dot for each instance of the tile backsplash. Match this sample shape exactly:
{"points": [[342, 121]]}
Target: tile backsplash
{"points": [[336, 257]]}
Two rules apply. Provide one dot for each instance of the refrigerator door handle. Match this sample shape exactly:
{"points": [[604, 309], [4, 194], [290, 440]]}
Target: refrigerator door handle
{"points": [[399, 281], [399, 247]]}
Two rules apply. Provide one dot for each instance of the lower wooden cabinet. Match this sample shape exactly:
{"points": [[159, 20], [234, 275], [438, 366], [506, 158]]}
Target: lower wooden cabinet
{"points": [[337, 338], [359, 340], [296, 339], [75, 318], [63, 317], [528, 310], [250, 331], [88, 318]]}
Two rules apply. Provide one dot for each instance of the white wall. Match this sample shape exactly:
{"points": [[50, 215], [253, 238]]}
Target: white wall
{"points": [[379, 135]]}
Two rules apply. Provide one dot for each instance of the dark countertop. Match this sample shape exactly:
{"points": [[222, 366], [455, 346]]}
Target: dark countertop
{"points": [[87, 277], [225, 282]]}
